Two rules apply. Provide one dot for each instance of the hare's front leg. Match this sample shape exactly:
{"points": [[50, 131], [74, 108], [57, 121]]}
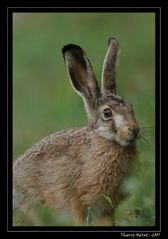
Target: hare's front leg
{"points": [[109, 216], [78, 212], [106, 218]]}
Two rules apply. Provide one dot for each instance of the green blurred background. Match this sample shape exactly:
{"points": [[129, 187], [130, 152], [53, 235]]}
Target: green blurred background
{"points": [[44, 101]]}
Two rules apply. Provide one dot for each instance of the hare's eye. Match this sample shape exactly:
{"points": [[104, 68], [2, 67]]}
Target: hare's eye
{"points": [[107, 113]]}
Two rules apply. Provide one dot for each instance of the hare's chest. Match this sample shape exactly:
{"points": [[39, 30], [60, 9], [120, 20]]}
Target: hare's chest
{"points": [[110, 172], [102, 174], [110, 176]]}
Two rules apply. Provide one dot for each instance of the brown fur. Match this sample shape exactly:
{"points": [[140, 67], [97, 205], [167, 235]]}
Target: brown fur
{"points": [[76, 169], [71, 178]]}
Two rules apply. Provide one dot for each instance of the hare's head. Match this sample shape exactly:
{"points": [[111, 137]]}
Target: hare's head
{"points": [[108, 114]]}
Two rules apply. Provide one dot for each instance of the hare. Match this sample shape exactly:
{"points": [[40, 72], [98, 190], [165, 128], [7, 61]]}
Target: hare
{"points": [[77, 169]]}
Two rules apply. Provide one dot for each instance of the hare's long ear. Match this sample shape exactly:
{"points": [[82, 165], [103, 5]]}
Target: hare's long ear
{"points": [[109, 68], [81, 75]]}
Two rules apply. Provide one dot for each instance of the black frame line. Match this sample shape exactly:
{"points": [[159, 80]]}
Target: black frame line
{"points": [[157, 77]]}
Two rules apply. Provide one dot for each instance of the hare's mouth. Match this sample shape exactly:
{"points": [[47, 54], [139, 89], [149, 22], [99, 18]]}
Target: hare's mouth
{"points": [[127, 140], [131, 140], [125, 143]]}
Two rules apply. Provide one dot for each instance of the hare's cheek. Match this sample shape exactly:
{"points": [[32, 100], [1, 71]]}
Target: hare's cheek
{"points": [[105, 133], [119, 121], [106, 130], [122, 134]]}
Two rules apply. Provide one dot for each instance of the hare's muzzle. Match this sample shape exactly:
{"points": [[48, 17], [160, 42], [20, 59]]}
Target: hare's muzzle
{"points": [[134, 133]]}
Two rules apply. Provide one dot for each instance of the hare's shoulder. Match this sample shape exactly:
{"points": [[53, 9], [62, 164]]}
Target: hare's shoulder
{"points": [[66, 137]]}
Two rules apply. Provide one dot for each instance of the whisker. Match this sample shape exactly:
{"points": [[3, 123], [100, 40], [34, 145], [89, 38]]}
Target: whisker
{"points": [[147, 134], [145, 140], [140, 141], [147, 130], [147, 127], [143, 135]]}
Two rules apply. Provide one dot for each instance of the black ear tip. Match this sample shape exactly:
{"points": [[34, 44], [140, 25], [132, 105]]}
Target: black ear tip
{"points": [[114, 40], [70, 47]]}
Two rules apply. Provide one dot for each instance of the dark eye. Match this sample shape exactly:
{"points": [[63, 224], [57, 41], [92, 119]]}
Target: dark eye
{"points": [[107, 113]]}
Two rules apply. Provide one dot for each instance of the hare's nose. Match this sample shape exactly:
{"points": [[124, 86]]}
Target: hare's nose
{"points": [[135, 131]]}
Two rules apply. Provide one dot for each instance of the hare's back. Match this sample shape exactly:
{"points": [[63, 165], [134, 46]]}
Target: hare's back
{"points": [[53, 147]]}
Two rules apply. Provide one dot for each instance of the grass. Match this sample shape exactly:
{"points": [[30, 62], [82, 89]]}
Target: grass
{"points": [[44, 101]]}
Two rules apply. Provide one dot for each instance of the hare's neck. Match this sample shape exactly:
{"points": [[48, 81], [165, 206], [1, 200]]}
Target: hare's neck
{"points": [[110, 153], [114, 163], [110, 149]]}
